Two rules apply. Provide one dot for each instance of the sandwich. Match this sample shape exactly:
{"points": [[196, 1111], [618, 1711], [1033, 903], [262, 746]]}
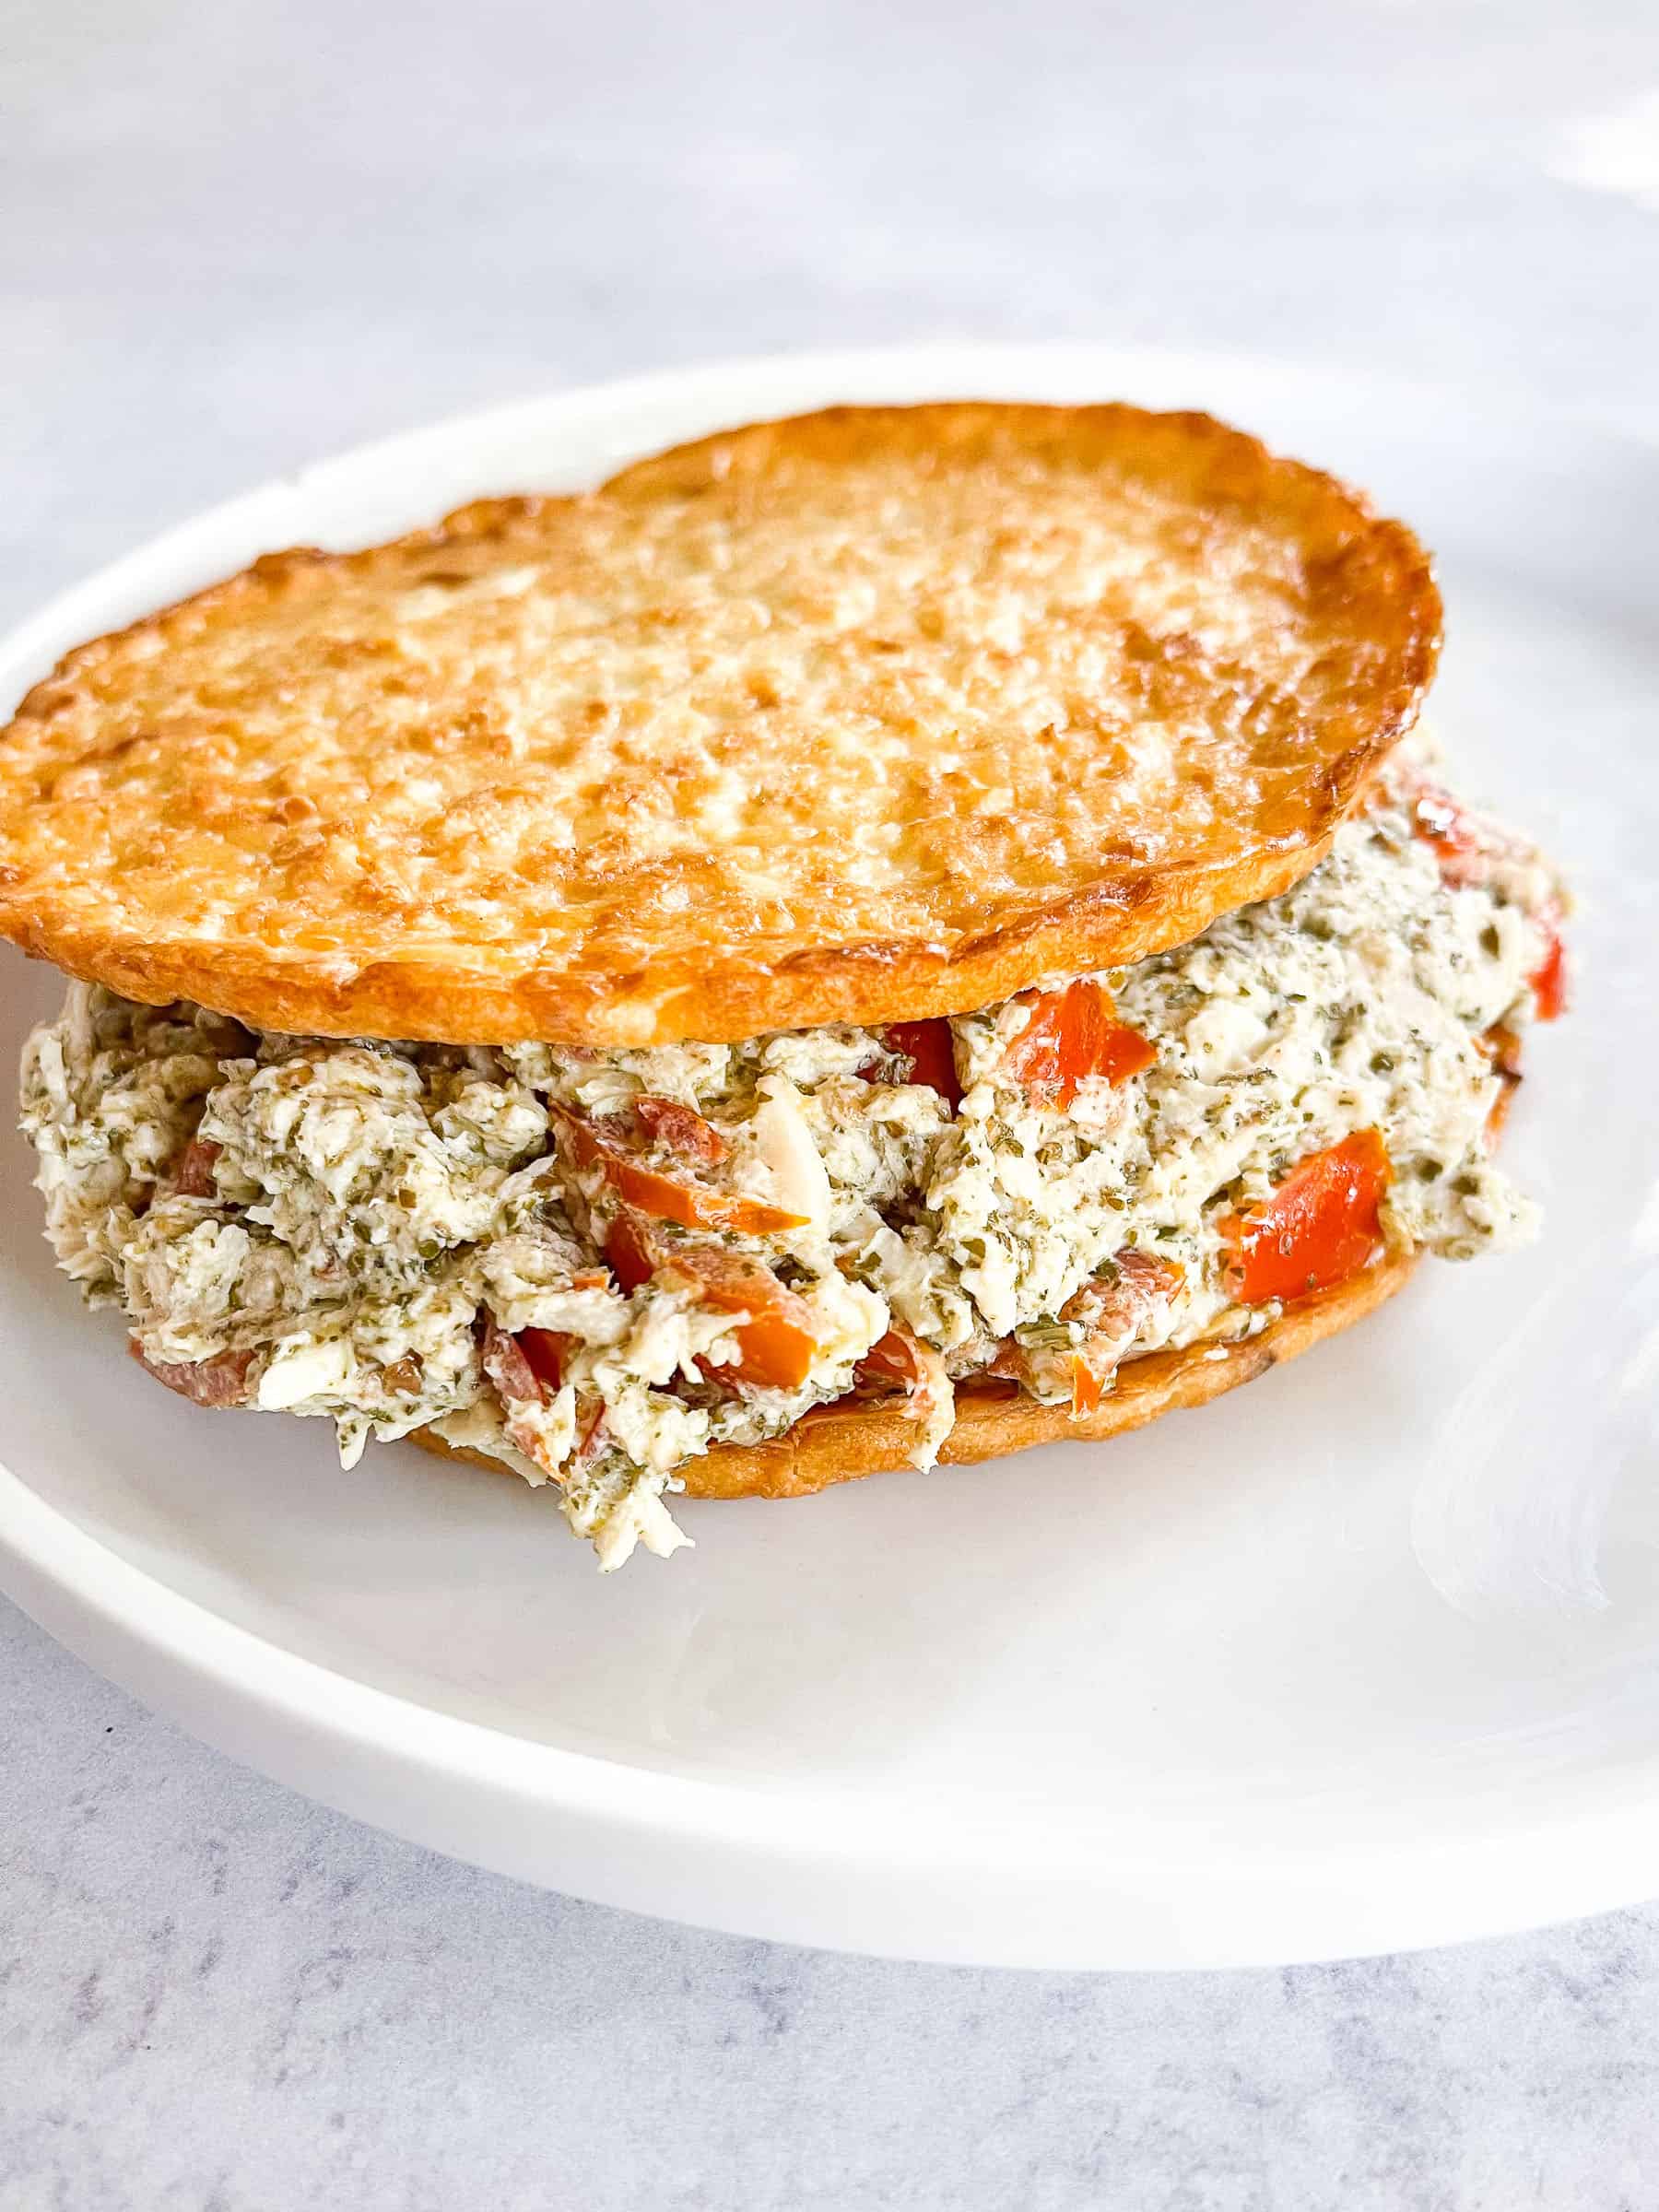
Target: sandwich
{"points": [[869, 940]]}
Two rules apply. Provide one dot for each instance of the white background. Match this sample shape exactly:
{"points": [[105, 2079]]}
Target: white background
{"points": [[233, 238]]}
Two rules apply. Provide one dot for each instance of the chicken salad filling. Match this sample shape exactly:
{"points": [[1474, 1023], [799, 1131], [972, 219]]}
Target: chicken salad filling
{"points": [[597, 1265]]}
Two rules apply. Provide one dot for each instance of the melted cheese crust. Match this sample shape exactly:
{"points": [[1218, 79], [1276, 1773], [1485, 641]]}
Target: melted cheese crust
{"points": [[872, 714]]}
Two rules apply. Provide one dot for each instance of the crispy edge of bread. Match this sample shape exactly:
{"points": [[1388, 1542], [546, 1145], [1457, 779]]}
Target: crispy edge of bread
{"points": [[841, 1444], [1380, 571], [867, 984]]}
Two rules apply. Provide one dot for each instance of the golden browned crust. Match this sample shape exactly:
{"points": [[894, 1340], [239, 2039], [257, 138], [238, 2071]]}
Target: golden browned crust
{"points": [[839, 1443], [872, 714]]}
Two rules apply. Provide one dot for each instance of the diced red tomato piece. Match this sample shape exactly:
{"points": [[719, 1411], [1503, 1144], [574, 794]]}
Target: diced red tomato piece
{"points": [[1466, 844], [632, 1251], [687, 1205], [1465, 848], [1462, 845], [1088, 1388], [1072, 1035], [195, 1168], [776, 1343], [527, 1371], [932, 1056], [544, 1351], [661, 1196], [1319, 1227], [507, 1364], [895, 1357], [1548, 979], [900, 1361], [679, 1129], [1009, 1361], [591, 1435]]}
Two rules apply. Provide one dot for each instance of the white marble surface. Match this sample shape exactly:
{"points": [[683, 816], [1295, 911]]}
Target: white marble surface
{"points": [[235, 236]]}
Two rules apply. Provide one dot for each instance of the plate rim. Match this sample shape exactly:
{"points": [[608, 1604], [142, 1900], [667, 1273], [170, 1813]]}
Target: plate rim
{"points": [[600, 1827]]}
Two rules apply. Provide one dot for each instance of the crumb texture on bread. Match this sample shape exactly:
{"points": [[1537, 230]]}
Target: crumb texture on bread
{"points": [[874, 714]]}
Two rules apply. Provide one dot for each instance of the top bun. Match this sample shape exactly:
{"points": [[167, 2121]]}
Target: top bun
{"points": [[868, 715]]}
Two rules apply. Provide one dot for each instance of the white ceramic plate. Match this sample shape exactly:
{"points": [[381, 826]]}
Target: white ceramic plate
{"points": [[1184, 1698]]}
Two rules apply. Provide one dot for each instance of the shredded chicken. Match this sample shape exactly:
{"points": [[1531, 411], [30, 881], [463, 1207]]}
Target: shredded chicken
{"points": [[597, 1265]]}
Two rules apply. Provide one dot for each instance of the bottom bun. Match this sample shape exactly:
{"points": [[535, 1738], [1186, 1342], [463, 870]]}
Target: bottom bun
{"points": [[839, 1443]]}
